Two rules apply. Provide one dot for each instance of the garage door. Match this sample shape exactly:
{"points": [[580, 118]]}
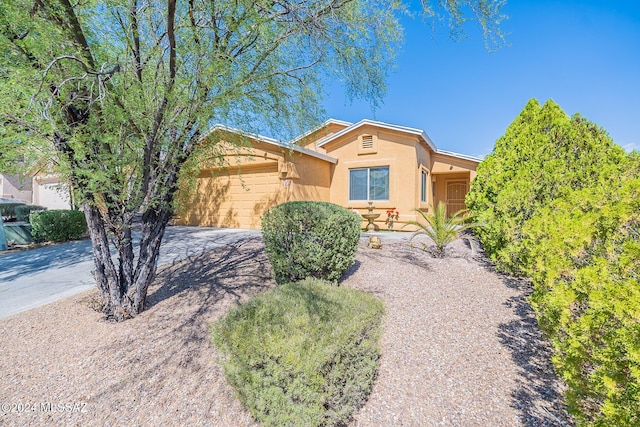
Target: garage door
{"points": [[236, 197], [53, 195]]}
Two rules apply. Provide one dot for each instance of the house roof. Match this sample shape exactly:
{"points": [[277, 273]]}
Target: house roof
{"points": [[414, 131], [349, 127], [272, 141], [320, 126], [459, 155]]}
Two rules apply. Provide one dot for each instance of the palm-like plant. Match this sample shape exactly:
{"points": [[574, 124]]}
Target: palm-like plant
{"points": [[442, 228]]}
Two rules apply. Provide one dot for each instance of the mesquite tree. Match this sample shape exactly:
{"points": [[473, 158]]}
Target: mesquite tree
{"points": [[123, 90]]}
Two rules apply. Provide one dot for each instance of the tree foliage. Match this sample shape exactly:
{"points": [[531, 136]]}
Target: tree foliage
{"points": [[563, 205], [585, 265], [117, 93], [543, 155]]}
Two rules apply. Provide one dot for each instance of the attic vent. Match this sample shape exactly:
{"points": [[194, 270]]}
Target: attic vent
{"points": [[367, 142]]}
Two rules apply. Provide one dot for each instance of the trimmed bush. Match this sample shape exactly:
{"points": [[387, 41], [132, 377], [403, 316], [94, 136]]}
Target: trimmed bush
{"points": [[543, 155], [310, 239], [302, 354], [58, 225], [8, 210], [23, 211]]}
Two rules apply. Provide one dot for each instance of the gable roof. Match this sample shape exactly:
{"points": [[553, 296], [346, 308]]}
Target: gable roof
{"points": [[324, 124], [272, 141], [349, 127], [413, 131]]}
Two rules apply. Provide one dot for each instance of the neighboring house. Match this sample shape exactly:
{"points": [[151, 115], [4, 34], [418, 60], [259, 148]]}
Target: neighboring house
{"points": [[16, 187], [41, 190], [349, 164], [51, 192]]}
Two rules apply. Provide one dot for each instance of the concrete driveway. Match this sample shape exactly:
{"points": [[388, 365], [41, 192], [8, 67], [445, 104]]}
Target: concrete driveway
{"points": [[35, 277]]}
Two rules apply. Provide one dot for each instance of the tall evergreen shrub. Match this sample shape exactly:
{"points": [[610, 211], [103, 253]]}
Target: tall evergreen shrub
{"points": [[543, 155], [562, 205], [585, 252]]}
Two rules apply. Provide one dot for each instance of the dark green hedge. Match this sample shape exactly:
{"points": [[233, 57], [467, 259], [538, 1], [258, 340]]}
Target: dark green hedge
{"points": [[8, 210], [302, 354], [23, 211], [58, 225], [310, 239]]}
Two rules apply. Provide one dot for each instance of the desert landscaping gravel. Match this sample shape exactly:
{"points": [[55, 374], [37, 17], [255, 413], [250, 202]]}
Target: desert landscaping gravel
{"points": [[460, 347]]}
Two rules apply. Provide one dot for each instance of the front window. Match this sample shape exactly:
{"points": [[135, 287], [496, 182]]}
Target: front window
{"points": [[423, 192], [369, 183]]}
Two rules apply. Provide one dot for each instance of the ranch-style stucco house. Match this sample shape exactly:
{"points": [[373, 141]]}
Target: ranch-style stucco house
{"points": [[349, 164]]}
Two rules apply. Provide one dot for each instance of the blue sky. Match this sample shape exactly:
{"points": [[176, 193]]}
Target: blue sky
{"points": [[585, 55]]}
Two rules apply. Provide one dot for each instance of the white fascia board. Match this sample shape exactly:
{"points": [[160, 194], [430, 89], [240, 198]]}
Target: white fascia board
{"points": [[272, 141], [459, 155]]}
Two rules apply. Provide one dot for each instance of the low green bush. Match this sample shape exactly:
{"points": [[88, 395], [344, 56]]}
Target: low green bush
{"points": [[58, 225], [310, 239], [302, 354], [23, 211], [8, 210]]}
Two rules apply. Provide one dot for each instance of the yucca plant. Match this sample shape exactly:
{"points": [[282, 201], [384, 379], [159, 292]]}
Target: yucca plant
{"points": [[442, 228]]}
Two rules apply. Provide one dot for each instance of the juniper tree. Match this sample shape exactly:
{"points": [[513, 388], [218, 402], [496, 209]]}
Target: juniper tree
{"points": [[543, 155]]}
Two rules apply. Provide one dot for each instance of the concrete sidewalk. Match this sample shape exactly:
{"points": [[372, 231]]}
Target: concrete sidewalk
{"points": [[35, 277]]}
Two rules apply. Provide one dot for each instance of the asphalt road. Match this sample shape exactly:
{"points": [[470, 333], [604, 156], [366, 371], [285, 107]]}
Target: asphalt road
{"points": [[35, 277]]}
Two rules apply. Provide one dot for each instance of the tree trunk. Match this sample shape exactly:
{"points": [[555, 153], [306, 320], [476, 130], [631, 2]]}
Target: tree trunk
{"points": [[124, 286], [105, 273]]}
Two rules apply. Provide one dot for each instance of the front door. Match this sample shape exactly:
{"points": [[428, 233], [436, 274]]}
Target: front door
{"points": [[456, 192]]}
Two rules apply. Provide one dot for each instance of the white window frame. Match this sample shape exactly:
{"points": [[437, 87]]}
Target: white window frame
{"points": [[368, 169]]}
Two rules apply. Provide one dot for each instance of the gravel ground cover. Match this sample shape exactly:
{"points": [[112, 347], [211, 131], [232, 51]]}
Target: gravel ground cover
{"points": [[460, 347]]}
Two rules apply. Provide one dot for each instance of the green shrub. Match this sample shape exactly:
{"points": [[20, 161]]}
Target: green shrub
{"points": [[8, 210], [302, 354], [57, 225], [543, 155], [23, 211], [562, 204], [310, 239], [585, 252]]}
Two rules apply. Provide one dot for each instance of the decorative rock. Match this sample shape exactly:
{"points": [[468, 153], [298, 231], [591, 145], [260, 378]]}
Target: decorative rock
{"points": [[374, 242]]}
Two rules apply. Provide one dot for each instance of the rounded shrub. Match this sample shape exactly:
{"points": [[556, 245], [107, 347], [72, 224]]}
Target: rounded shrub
{"points": [[310, 239], [302, 354], [57, 225]]}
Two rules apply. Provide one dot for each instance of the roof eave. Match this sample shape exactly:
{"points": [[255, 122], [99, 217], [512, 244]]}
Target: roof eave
{"points": [[272, 141]]}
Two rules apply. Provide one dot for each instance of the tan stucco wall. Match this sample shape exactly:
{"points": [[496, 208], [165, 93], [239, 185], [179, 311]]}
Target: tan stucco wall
{"points": [[449, 164], [254, 180], [264, 175], [402, 153]]}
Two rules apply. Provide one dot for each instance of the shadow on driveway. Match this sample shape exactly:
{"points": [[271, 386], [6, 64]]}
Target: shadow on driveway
{"points": [[31, 261]]}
